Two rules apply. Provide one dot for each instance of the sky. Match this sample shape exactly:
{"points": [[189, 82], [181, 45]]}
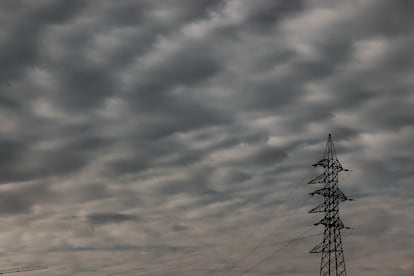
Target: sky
{"points": [[176, 137]]}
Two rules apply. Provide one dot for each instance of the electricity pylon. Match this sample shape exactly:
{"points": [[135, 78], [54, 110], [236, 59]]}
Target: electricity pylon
{"points": [[332, 261]]}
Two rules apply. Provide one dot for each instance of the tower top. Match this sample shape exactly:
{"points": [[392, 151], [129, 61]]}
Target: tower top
{"points": [[330, 151]]}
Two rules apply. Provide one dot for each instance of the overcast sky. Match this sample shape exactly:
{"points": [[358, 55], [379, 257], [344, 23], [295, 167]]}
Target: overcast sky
{"points": [[176, 137]]}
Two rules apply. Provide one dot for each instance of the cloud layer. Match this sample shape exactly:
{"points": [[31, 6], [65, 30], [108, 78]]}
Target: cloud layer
{"points": [[172, 137]]}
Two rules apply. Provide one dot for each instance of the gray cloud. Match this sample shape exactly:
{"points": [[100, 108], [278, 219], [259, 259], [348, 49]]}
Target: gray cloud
{"points": [[104, 218], [173, 129]]}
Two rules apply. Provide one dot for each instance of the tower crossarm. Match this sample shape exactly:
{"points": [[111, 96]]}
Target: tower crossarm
{"points": [[332, 163], [322, 192], [331, 222], [319, 179], [321, 248], [329, 192], [340, 195], [317, 249], [318, 209]]}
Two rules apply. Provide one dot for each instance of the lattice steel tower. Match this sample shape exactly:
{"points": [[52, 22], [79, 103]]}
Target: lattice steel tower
{"points": [[332, 261]]}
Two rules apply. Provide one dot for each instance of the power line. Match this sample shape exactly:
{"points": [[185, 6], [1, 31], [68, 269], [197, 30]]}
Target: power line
{"points": [[277, 251], [261, 242]]}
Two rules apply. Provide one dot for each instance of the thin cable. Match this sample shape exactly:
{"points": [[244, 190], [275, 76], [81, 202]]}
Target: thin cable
{"points": [[302, 236], [235, 264]]}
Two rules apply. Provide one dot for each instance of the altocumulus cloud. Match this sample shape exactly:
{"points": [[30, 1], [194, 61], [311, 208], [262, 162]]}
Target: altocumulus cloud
{"points": [[171, 137]]}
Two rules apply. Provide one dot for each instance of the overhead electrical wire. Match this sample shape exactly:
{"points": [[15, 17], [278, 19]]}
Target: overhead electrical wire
{"points": [[261, 242], [277, 251]]}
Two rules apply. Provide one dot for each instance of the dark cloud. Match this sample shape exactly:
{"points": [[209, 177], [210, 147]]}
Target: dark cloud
{"points": [[263, 14], [24, 23], [104, 218], [11, 155], [25, 160], [20, 200], [175, 128]]}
